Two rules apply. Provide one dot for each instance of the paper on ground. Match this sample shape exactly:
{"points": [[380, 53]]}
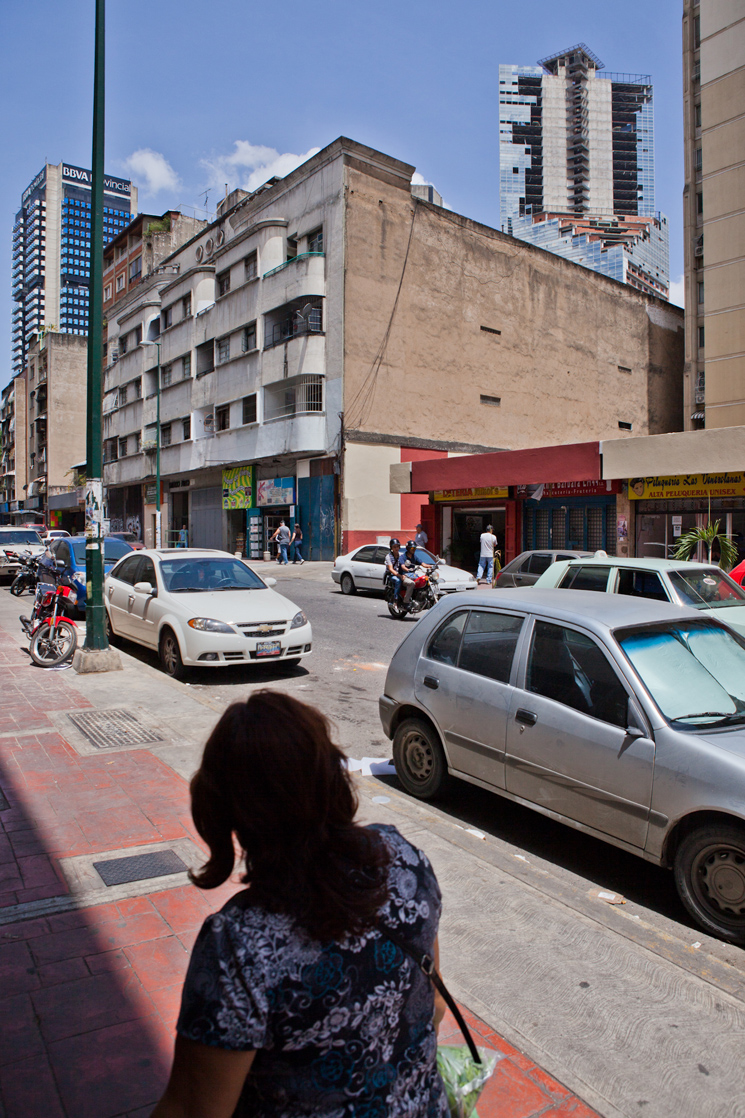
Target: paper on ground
{"points": [[371, 766]]}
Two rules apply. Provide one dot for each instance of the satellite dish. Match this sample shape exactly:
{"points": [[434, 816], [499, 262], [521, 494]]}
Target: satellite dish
{"points": [[303, 314]]}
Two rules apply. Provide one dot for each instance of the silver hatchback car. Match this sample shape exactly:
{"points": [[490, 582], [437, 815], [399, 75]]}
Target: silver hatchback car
{"points": [[623, 718]]}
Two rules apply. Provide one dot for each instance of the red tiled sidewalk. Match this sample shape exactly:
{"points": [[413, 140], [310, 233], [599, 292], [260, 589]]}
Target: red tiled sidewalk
{"points": [[89, 998]]}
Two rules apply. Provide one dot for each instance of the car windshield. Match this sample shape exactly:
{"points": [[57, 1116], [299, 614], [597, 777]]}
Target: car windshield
{"points": [[219, 573], [707, 589], [694, 670], [113, 550], [19, 535], [423, 556]]}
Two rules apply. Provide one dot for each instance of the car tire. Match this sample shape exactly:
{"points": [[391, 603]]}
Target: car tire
{"points": [[419, 759], [347, 584], [111, 636], [170, 655], [709, 871]]}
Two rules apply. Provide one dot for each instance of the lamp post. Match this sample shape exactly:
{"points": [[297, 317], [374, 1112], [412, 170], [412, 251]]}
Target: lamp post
{"points": [[158, 531]]}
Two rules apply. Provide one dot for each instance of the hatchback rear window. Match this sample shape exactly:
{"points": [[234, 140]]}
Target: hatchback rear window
{"points": [[585, 578]]}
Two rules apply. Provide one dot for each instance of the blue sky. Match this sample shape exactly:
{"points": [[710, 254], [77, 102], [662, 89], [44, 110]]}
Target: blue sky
{"points": [[202, 93]]}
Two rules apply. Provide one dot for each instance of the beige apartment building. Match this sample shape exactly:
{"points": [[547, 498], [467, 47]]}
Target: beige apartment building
{"points": [[12, 447], [331, 324], [714, 211]]}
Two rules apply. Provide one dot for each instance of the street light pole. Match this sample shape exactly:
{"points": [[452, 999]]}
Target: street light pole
{"points": [[158, 524]]}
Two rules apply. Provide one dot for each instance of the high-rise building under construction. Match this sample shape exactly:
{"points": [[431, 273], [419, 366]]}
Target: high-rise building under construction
{"points": [[576, 148]]}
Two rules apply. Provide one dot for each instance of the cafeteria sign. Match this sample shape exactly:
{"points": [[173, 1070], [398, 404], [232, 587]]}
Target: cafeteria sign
{"points": [[484, 492], [237, 485], [676, 486]]}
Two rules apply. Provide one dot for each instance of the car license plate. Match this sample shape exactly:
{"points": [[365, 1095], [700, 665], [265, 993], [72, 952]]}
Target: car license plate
{"points": [[268, 648]]}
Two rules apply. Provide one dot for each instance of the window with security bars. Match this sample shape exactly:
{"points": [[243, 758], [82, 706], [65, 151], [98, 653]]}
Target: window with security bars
{"points": [[186, 428], [576, 529], [542, 528], [248, 338], [165, 435], [558, 528], [223, 283], [250, 267], [166, 373], [594, 529], [610, 529], [315, 241], [186, 367], [223, 350]]}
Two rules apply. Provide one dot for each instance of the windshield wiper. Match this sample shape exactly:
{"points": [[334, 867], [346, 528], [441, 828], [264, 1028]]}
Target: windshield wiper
{"points": [[722, 717], [188, 590]]}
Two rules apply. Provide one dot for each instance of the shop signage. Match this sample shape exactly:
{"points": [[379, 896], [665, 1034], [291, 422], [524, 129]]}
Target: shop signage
{"points": [[677, 486], [275, 491], [236, 487], [568, 489], [151, 494], [479, 494], [79, 174]]}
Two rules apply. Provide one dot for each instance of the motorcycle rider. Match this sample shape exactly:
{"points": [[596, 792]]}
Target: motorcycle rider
{"points": [[407, 566], [393, 569]]}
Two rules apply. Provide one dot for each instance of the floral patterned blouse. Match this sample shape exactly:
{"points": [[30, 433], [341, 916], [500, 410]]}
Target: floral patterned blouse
{"points": [[342, 1030]]}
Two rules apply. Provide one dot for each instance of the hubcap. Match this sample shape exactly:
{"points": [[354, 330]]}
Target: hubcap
{"points": [[418, 757], [719, 881], [169, 654]]}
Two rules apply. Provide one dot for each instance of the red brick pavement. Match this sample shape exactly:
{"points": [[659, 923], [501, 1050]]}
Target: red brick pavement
{"points": [[89, 998]]}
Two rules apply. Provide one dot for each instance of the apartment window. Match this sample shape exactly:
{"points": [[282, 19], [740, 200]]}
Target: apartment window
{"points": [[700, 288], [123, 344], [120, 282], [165, 435], [222, 418], [123, 395], [250, 267], [123, 448], [186, 366], [223, 283], [205, 358], [166, 374], [223, 350], [107, 292], [315, 241], [696, 32], [700, 337], [138, 441], [699, 159], [186, 306], [699, 202], [291, 248], [137, 388], [697, 114], [135, 269], [137, 338], [186, 426], [167, 317], [249, 408], [248, 340]]}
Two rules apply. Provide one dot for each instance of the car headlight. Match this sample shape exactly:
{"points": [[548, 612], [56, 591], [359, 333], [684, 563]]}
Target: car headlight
{"points": [[298, 620], [207, 625]]}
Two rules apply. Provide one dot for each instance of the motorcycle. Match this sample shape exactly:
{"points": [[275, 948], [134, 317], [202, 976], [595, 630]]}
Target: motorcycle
{"points": [[52, 634], [28, 576], [425, 595]]}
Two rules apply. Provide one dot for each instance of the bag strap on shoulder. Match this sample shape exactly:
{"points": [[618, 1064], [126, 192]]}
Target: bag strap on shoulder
{"points": [[426, 965]]}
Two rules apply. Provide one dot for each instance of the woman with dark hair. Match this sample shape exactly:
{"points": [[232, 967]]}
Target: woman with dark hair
{"points": [[296, 1003]]}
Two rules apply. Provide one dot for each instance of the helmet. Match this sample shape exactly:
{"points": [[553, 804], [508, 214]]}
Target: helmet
{"points": [[394, 542], [410, 543]]}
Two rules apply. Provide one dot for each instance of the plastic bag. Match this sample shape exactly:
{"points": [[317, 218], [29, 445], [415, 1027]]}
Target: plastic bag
{"points": [[464, 1079]]}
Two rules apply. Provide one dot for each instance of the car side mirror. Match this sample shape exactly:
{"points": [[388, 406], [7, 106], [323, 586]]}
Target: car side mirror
{"points": [[633, 722], [441, 563], [146, 588], [60, 564], [270, 581]]}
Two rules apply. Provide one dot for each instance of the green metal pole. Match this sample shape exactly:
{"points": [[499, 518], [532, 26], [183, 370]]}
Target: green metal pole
{"points": [[95, 636]]}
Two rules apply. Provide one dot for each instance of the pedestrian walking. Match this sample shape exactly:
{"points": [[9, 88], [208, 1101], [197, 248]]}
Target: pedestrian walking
{"points": [[296, 1002], [183, 537], [297, 540], [282, 536], [421, 539], [488, 542]]}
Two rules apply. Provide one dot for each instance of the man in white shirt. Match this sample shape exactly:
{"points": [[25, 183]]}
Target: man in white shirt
{"points": [[486, 556], [421, 539]]}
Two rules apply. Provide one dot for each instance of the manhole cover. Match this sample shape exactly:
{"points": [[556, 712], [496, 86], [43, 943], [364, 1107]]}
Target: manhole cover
{"points": [[138, 867], [4, 805], [112, 729]]}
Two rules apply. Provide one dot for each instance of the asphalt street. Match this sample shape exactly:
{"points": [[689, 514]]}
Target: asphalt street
{"points": [[628, 1003]]}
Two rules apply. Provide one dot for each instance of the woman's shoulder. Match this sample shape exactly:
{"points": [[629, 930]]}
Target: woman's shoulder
{"points": [[403, 851]]}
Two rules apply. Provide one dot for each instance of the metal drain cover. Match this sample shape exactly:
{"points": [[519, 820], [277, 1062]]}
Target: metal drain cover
{"points": [[120, 871], [112, 729]]}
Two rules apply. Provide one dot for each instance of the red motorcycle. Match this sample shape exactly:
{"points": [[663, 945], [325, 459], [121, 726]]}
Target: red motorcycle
{"points": [[52, 633], [425, 594]]}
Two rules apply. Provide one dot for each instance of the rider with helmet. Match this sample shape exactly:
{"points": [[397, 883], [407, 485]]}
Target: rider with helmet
{"points": [[393, 570]]}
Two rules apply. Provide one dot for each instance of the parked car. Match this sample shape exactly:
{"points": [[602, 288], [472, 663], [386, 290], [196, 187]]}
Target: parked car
{"points": [[128, 537], [206, 608], [701, 586], [527, 568], [621, 717], [72, 553], [56, 534], [17, 540], [364, 568]]}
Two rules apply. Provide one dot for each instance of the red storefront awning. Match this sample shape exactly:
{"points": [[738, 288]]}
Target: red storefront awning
{"points": [[570, 462]]}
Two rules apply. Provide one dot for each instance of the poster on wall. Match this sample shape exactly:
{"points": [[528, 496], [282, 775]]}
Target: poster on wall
{"points": [[275, 491], [237, 485], [676, 486]]}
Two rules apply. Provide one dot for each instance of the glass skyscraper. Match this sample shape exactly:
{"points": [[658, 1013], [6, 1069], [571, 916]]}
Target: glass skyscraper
{"points": [[51, 250], [576, 166]]}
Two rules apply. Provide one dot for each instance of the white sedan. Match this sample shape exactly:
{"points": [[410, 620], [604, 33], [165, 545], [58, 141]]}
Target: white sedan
{"points": [[363, 569], [200, 607]]}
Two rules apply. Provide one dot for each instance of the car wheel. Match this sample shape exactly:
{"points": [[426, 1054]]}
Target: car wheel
{"points": [[347, 584], [710, 877], [170, 655], [419, 759], [110, 634]]}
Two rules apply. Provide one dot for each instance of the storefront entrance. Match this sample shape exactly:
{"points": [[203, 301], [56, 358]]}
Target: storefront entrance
{"points": [[467, 526], [660, 524]]}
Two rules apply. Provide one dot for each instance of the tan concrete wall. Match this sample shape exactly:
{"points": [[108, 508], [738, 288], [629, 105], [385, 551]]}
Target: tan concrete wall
{"points": [[693, 452], [555, 366], [66, 407], [368, 503]]}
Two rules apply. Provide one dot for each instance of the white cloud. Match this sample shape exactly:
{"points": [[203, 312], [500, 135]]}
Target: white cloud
{"points": [[250, 165], [419, 180], [151, 170], [677, 291]]}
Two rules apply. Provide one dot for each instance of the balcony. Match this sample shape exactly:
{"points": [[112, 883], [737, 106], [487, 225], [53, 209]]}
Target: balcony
{"points": [[293, 321], [301, 395], [300, 278]]}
